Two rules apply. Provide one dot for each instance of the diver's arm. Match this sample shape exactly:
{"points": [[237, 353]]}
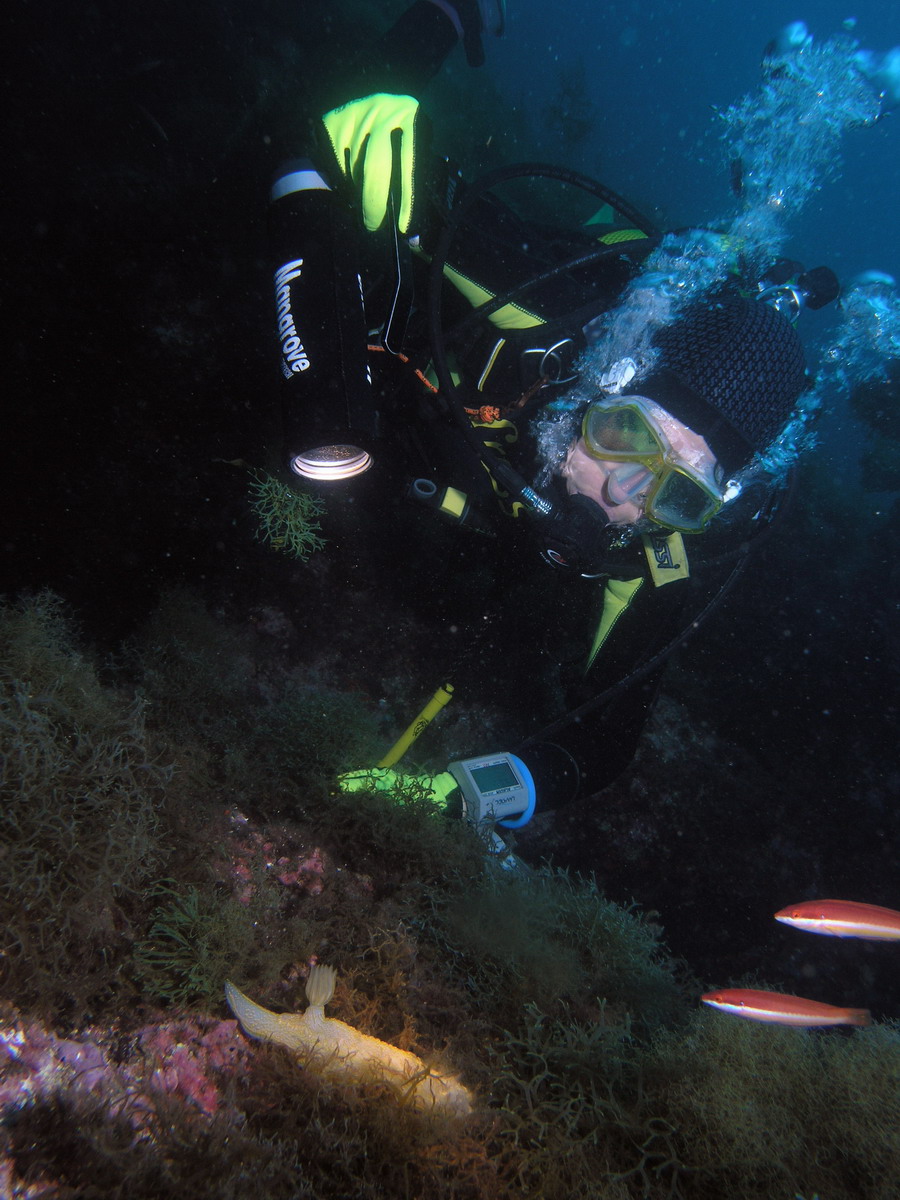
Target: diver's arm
{"points": [[368, 163]]}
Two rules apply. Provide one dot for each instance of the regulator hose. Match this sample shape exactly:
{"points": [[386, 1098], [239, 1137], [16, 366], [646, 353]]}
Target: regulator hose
{"points": [[453, 394]]}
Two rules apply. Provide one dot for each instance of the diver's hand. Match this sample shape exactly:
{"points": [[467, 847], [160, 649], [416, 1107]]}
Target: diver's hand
{"points": [[377, 141]]}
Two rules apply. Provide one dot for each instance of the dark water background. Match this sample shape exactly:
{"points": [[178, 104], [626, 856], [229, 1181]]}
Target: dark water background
{"points": [[136, 326]]}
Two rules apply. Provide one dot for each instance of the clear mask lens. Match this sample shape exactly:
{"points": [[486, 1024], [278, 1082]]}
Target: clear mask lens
{"points": [[682, 503], [620, 429]]}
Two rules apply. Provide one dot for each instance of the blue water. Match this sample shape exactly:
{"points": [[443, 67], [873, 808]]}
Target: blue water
{"points": [[657, 74], [657, 84]]}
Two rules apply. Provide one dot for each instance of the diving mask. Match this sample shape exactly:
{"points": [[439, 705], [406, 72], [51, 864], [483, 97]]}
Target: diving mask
{"points": [[679, 484]]}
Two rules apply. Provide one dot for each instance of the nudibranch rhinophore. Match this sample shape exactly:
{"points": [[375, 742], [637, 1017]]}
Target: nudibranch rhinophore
{"points": [[342, 1052]]}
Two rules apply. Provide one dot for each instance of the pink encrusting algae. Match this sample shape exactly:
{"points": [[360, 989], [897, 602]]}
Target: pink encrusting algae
{"points": [[190, 1059]]}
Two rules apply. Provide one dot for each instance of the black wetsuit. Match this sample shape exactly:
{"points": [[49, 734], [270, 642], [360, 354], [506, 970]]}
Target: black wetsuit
{"points": [[529, 627]]}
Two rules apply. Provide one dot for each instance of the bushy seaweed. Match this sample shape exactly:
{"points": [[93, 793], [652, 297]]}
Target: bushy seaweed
{"points": [[189, 948], [79, 811], [716, 1108], [543, 936], [402, 838], [763, 1111], [195, 672], [594, 1076], [315, 730], [203, 685], [288, 518], [67, 1148], [198, 937], [576, 1111]]}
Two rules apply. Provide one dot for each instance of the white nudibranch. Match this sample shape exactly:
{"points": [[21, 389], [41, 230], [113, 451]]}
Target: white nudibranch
{"points": [[341, 1052]]}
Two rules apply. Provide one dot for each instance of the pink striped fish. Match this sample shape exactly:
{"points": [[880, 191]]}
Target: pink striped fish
{"points": [[779, 1009], [843, 918]]}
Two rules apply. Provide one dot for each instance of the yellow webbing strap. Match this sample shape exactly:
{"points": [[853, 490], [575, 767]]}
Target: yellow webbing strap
{"points": [[510, 316], [617, 596], [666, 557]]}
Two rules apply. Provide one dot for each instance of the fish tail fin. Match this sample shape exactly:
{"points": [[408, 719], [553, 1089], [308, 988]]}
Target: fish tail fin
{"points": [[320, 985], [859, 1016], [254, 1019]]}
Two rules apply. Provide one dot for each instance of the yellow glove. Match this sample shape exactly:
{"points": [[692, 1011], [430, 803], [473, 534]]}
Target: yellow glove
{"points": [[362, 137]]}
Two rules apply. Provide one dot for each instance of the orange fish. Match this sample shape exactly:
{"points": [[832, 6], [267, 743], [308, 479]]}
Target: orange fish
{"points": [[778, 1009], [843, 918]]}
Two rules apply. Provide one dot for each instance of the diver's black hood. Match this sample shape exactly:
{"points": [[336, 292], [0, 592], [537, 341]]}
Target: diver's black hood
{"points": [[732, 370]]}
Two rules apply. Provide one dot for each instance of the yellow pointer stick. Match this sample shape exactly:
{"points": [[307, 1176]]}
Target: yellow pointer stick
{"points": [[441, 697]]}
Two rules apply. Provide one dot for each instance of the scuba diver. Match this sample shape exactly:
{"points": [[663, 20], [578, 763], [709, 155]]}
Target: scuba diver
{"points": [[528, 383]]}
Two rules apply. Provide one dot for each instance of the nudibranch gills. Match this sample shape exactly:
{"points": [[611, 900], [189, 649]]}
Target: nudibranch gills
{"points": [[342, 1052]]}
